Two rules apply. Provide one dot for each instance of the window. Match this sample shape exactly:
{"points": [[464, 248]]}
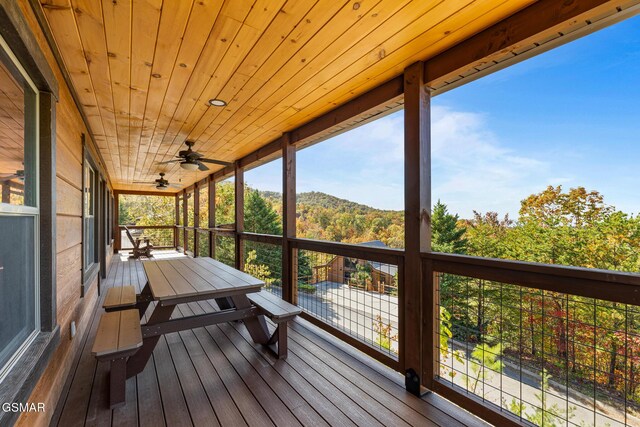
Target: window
{"points": [[90, 217], [19, 211]]}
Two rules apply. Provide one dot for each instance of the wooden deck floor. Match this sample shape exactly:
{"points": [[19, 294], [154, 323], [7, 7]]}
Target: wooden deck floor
{"points": [[218, 376]]}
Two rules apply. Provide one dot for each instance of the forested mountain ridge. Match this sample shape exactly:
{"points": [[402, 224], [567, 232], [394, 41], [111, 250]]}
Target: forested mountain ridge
{"points": [[326, 217], [324, 200]]}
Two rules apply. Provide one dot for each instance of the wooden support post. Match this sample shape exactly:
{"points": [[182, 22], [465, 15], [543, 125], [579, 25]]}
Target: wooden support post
{"points": [[117, 241], [185, 220], [212, 216], [6, 192], [289, 276], [417, 201], [239, 183], [176, 230], [196, 219]]}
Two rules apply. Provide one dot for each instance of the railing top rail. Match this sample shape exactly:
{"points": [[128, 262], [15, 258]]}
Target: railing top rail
{"points": [[385, 255], [607, 285], [262, 238], [145, 227]]}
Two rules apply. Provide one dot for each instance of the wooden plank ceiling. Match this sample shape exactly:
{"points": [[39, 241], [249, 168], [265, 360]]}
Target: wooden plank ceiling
{"points": [[145, 69]]}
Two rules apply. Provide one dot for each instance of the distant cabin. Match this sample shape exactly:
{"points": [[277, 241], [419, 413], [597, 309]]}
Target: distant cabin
{"points": [[340, 269]]}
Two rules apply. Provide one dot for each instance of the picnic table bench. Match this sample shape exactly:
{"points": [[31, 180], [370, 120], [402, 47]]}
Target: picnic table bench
{"points": [[128, 345]]}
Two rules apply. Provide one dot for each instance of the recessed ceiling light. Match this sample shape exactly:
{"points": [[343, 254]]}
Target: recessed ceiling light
{"points": [[217, 102]]}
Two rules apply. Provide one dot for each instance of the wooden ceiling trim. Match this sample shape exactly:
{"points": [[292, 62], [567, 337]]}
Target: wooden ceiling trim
{"points": [[141, 62], [173, 21], [201, 22], [343, 84], [61, 19], [195, 74]]}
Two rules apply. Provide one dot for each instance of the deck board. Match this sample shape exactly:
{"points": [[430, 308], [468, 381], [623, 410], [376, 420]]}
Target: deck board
{"points": [[218, 376]]}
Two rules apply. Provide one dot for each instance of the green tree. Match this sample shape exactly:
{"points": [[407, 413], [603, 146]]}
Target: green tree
{"points": [[259, 215], [446, 235]]}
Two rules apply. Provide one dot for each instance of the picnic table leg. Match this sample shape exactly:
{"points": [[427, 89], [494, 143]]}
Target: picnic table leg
{"points": [[144, 299], [138, 361], [117, 382], [256, 326]]}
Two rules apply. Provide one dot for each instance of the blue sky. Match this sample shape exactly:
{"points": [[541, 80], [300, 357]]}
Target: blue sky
{"points": [[570, 116]]}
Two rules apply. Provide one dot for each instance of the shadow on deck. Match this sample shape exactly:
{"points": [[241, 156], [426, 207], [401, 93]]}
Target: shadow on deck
{"points": [[218, 376]]}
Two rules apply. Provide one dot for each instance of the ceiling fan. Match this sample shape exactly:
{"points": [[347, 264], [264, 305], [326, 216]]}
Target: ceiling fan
{"points": [[160, 183], [192, 160], [8, 177]]}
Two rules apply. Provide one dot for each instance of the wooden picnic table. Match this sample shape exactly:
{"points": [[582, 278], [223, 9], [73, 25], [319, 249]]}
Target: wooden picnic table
{"points": [[183, 280]]}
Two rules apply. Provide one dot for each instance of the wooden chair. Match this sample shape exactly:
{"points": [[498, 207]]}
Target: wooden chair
{"points": [[138, 249]]}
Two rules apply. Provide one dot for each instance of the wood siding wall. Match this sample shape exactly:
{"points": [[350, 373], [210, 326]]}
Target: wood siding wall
{"points": [[70, 306]]}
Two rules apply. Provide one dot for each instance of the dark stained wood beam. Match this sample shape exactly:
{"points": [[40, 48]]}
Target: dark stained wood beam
{"points": [[176, 230], [385, 93], [185, 221], [239, 207], [212, 217], [6, 192], [522, 29], [196, 218], [144, 193], [289, 271], [417, 205], [265, 153]]}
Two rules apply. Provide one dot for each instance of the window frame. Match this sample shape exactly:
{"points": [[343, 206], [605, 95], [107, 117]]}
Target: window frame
{"points": [[91, 172], [27, 211]]}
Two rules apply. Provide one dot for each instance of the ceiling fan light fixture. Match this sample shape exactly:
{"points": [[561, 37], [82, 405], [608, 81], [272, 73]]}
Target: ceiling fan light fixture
{"points": [[189, 166], [161, 187], [215, 102]]}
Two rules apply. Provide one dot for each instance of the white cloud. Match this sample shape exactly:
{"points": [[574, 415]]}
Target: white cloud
{"points": [[473, 170]]}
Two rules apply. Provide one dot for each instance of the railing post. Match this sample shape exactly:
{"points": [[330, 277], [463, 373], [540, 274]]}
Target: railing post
{"points": [[185, 220], [417, 224], [196, 218], [239, 205], [177, 222], [117, 243], [289, 254], [212, 216]]}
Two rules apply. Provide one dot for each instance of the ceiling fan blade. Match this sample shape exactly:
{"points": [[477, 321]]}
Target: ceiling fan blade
{"points": [[169, 161], [202, 166], [217, 162], [175, 186]]}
